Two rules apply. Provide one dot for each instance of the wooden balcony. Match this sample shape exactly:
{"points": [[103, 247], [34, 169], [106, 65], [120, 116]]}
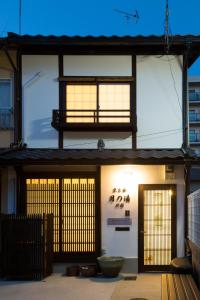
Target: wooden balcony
{"points": [[93, 120]]}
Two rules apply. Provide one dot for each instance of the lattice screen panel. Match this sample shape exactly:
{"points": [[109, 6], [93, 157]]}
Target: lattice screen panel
{"points": [[157, 227], [43, 197], [78, 215], [72, 202]]}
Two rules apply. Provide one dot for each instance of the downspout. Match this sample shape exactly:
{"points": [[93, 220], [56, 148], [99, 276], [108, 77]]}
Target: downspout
{"points": [[185, 146], [185, 104]]}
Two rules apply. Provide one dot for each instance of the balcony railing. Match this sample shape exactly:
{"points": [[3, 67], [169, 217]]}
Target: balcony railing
{"points": [[194, 117], [194, 97], [6, 119], [194, 137], [86, 120]]}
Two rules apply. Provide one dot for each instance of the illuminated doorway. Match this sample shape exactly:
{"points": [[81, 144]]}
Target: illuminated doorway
{"points": [[157, 227]]}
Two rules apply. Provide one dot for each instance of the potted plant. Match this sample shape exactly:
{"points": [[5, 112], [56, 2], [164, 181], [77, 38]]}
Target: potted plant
{"points": [[110, 265]]}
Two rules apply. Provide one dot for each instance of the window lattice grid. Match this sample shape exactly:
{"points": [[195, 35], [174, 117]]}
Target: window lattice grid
{"points": [[157, 227], [78, 212], [81, 97], [114, 97], [43, 197]]}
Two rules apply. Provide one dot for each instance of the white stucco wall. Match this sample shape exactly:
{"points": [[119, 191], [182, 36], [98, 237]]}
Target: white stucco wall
{"points": [[88, 140], [40, 90], [97, 65], [159, 101], [125, 243]]}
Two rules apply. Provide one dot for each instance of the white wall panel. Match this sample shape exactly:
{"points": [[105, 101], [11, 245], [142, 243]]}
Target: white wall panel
{"points": [[159, 101], [126, 243], [88, 140], [97, 65], [40, 96]]}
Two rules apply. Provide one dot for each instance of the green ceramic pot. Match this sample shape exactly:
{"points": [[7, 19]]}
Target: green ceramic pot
{"points": [[110, 265]]}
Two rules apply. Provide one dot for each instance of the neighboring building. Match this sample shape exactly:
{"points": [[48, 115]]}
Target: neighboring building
{"points": [[6, 100], [194, 125], [101, 142], [6, 111], [194, 112]]}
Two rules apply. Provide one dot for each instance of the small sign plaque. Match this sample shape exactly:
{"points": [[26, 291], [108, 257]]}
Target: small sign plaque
{"points": [[119, 221]]}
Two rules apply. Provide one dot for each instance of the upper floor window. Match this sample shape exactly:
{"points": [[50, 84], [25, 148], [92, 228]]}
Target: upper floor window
{"points": [[6, 111], [98, 103]]}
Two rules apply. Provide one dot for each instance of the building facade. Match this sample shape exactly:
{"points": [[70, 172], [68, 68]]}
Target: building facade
{"points": [[194, 124], [101, 142]]}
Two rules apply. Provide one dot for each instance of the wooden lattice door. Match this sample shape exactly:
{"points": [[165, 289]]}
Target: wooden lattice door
{"points": [[157, 226], [75, 205]]}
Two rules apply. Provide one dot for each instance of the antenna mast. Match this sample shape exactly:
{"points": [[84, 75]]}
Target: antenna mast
{"points": [[20, 17], [167, 26]]}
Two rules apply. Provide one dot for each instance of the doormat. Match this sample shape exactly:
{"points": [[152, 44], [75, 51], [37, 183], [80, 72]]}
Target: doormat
{"points": [[130, 277]]}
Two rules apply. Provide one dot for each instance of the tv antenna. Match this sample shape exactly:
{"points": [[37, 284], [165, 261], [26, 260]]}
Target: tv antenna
{"points": [[167, 27], [134, 16], [20, 17]]}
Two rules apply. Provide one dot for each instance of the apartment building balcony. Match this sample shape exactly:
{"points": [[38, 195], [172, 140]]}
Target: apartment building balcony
{"points": [[91, 120], [194, 138], [194, 98], [194, 118]]}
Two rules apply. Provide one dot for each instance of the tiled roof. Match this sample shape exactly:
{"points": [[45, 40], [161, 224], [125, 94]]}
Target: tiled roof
{"points": [[88, 156], [65, 39]]}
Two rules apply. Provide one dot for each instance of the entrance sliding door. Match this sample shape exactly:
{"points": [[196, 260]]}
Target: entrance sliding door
{"points": [[157, 226], [74, 203]]}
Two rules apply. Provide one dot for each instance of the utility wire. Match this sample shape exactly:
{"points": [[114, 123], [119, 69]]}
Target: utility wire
{"points": [[167, 34], [152, 135], [174, 83]]}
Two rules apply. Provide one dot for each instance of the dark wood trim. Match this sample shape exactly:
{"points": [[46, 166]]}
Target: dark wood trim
{"points": [[60, 72], [133, 102], [185, 103], [121, 127], [64, 257], [18, 101], [60, 215], [97, 105], [0, 191], [101, 49], [143, 187], [20, 191], [187, 171], [95, 161], [10, 59], [98, 211], [89, 79], [58, 175]]}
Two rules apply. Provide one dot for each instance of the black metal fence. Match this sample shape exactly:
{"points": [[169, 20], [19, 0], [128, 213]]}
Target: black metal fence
{"points": [[26, 246]]}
